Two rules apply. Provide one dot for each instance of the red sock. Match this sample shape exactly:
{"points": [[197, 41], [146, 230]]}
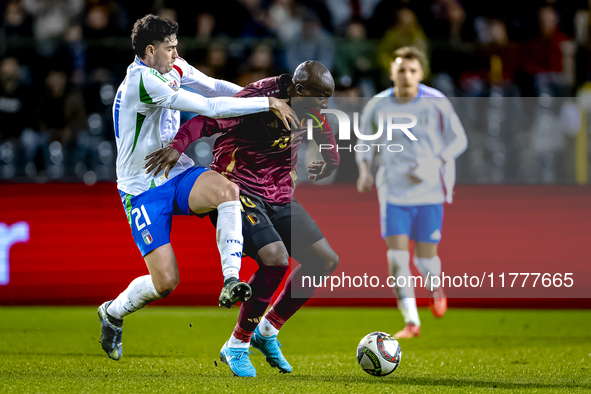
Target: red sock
{"points": [[264, 282], [273, 317], [296, 293], [242, 334], [286, 306]]}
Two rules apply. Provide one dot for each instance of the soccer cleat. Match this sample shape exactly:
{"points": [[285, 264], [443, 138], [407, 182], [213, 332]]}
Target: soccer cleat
{"points": [[234, 291], [111, 332], [269, 346], [438, 303], [409, 331], [238, 361]]}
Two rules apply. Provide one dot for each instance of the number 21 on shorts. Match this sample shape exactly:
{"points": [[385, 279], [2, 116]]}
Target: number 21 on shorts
{"points": [[137, 213]]}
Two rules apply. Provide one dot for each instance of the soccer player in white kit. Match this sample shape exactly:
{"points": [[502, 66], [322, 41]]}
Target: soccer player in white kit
{"points": [[414, 183], [146, 118]]}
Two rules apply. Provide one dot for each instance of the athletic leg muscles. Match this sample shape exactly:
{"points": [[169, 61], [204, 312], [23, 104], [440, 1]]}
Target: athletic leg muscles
{"points": [[163, 268], [210, 190]]}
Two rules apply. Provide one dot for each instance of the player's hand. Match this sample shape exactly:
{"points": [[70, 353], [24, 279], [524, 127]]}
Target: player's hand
{"points": [[284, 112], [318, 170], [364, 183], [162, 160]]}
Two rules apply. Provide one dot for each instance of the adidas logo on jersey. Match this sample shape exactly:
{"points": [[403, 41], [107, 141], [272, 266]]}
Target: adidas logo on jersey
{"points": [[237, 254], [436, 236]]}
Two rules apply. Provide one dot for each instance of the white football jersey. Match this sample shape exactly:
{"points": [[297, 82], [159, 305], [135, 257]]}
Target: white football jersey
{"points": [[146, 116], [415, 175]]}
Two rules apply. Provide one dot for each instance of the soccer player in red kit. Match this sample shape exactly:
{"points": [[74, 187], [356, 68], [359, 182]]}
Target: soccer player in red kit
{"points": [[259, 154]]}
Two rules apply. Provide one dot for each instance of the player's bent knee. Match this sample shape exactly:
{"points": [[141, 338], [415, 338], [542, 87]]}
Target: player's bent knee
{"points": [[229, 191], [331, 262], [273, 255], [166, 286], [276, 261]]}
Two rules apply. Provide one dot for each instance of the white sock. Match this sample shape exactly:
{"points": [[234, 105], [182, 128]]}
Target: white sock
{"points": [[229, 237], [399, 264], [235, 342], [139, 293], [266, 328], [408, 308], [429, 267]]}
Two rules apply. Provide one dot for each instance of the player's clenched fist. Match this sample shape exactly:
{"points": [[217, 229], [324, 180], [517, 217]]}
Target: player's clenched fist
{"points": [[162, 160], [364, 182]]}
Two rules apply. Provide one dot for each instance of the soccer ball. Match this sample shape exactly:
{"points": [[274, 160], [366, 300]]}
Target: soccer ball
{"points": [[379, 354]]}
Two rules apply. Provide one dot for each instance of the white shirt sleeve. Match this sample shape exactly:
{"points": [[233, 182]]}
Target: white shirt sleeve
{"points": [[203, 84], [156, 90], [454, 137], [218, 107]]}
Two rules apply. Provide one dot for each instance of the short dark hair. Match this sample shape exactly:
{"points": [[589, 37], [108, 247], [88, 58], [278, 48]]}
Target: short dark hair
{"points": [[411, 53], [151, 30]]}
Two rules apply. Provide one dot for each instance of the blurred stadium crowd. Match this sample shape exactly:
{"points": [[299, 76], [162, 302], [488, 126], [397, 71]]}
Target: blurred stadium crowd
{"points": [[62, 60]]}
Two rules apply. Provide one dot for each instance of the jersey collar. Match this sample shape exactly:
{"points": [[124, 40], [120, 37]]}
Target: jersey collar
{"points": [[418, 96], [139, 61]]}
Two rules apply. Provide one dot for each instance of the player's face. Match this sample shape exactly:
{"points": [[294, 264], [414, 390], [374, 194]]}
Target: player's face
{"points": [[164, 55], [406, 74], [317, 96]]}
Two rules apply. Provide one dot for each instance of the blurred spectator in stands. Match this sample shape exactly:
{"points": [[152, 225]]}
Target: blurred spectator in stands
{"points": [[312, 43], [14, 101], [77, 54], [547, 56], [216, 65], [17, 22], [105, 19], [51, 20], [60, 116], [205, 27], [344, 11], [355, 57], [252, 20], [260, 65], [282, 19], [406, 31], [386, 12], [501, 58], [168, 13]]}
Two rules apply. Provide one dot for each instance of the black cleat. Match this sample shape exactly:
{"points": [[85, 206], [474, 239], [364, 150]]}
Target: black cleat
{"points": [[234, 291], [111, 332]]}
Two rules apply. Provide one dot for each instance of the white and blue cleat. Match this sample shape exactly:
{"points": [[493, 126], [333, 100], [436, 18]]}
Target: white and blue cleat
{"points": [[269, 346], [111, 333], [238, 361]]}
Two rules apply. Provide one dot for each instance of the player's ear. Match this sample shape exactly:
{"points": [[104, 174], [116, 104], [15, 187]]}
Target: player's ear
{"points": [[150, 50], [299, 89]]}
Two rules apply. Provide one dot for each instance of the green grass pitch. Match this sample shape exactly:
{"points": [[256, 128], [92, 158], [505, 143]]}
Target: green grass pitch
{"points": [[56, 349]]}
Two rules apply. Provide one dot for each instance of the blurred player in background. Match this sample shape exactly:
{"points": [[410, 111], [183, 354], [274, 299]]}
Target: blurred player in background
{"points": [[413, 184], [146, 117], [260, 155]]}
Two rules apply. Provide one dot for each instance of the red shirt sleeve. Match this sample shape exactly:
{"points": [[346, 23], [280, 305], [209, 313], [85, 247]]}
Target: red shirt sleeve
{"points": [[330, 156], [192, 130]]}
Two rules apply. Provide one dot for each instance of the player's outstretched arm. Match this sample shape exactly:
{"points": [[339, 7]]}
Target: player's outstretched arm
{"points": [[229, 107], [206, 85]]}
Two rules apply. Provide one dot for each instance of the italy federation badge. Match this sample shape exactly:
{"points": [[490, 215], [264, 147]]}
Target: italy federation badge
{"points": [[147, 237]]}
